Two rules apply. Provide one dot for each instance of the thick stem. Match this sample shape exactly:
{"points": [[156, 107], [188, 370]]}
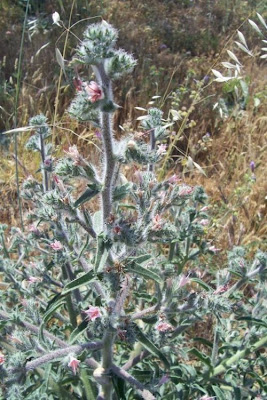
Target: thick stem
{"points": [[152, 146], [106, 127], [107, 362]]}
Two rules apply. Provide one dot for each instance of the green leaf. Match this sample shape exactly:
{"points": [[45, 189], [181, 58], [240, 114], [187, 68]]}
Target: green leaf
{"points": [[201, 356], [219, 393], [202, 284], [119, 387], [203, 341], [51, 308], [97, 222], [77, 332], [140, 259], [121, 191], [139, 270], [81, 281], [148, 345], [255, 321], [104, 244], [88, 194]]}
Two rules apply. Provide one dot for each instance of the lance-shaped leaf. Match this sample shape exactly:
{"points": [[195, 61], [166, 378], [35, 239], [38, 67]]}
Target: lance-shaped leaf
{"points": [[142, 271], [88, 194], [78, 282], [121, 191], [148, 345], [78, 332], [104, 244], [202, 284], [53, 305], [201, 356]]}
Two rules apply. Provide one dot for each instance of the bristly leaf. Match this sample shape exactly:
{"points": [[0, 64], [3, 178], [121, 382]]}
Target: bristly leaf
{"points": [[88, 194], [201, 356], [145, 272], [78, 332], [78, 282], [121, 191], [148, 345]]}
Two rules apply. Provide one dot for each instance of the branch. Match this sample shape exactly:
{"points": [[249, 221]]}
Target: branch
{"points": [[61, 353], [34, 329], [131, 363], [236, 357], [141, 314]]}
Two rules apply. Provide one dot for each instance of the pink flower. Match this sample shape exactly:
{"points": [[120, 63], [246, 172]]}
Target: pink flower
{"points": [[33, 279], [94, 91], [78, 84], [98, 134], [204, 222], [205, 208], [174, 179], [74, 364], [74, 154], [57, 245], [93, 313], [33, 229], [221, 289], [59, 183], [185, 190], [164, 327], [161, 149], [157, 223], [206, 397], [183, 281], [2, 358], [213, 249]]}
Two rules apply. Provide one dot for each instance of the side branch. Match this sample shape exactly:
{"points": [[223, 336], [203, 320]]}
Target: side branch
{"points": [[62, 353]]}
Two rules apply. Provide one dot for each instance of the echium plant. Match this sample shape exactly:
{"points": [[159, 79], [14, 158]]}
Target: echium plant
{"points": [[109, 303]]}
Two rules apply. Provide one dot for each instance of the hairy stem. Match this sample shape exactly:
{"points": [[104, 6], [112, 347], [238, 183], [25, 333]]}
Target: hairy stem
{"points": [[106, 126], [62, 353]]}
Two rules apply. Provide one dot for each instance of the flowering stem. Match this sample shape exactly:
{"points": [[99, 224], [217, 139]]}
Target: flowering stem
{"points": [[152, 146], [106, 126]]}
